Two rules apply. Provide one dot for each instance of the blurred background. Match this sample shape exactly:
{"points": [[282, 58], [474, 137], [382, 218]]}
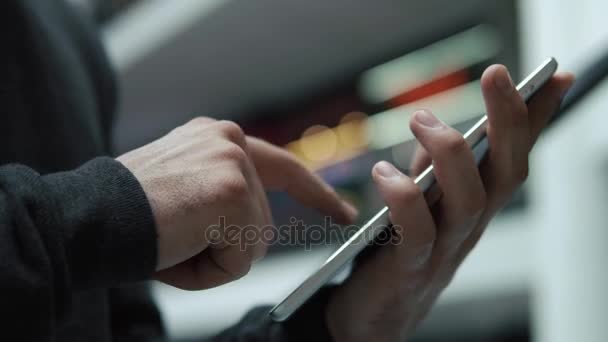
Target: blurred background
{"points": [[335, 83]]}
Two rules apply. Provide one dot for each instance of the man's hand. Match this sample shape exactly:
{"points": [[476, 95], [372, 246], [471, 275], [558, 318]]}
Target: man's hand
{"points": [[390, 293], [208, 174]]}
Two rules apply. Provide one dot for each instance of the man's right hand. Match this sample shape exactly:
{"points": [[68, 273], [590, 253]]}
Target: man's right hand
{"points": [[206, 172]]}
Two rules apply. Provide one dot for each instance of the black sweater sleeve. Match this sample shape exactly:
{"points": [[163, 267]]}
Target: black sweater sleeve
{"points": [[306, 324], [67, 232]]}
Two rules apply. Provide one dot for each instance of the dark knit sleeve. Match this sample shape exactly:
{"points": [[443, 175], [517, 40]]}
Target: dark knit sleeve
{"points": [[67, 232]]}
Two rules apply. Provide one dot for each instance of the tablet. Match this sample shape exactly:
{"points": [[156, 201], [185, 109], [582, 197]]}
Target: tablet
{"points": [[475, 137]]}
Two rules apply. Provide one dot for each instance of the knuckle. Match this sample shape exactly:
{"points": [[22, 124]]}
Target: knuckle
{"points": [[232, 131], [200, 121], [422, 252], [455, 143], [409, 192], [234, 188], [235, 153]]}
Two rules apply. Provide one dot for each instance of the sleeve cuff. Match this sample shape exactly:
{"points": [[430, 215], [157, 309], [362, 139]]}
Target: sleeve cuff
{"points": [[110, 237], [308, 323]]}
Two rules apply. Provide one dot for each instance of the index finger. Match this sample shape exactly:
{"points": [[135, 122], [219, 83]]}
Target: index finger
{"points": [[280, 171]]}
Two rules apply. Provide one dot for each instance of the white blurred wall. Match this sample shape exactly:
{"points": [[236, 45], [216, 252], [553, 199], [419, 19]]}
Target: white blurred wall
{"points": [[570, 180]]}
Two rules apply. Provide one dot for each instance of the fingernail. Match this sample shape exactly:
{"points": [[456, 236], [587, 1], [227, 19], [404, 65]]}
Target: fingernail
{"points": [[386, 170], [504, 82], [427, 119]]}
